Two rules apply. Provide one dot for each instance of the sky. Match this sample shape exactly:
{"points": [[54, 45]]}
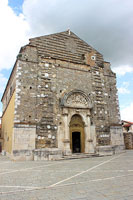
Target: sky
{"points": [[107, 25]]}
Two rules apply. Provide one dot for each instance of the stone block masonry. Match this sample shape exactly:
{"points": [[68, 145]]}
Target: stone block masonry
{"points": [[60, 78]]}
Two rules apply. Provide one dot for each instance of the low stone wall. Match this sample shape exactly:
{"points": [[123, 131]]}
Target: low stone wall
{"points": [[110, 150], [57, 154], [22, 155], [37, 154], [47, 154], [24, 137], [116, 133], [118, 149], [105, 150]]}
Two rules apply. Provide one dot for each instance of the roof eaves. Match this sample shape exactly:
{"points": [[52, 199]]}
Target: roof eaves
{"points": [[9, 79], [47, 35], [127, 122]]}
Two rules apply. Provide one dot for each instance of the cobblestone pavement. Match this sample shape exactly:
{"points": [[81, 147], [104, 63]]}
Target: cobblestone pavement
{"points": [[96, 178]]}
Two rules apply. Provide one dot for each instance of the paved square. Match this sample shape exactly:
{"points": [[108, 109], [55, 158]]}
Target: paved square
{"points": [[96, 178]]}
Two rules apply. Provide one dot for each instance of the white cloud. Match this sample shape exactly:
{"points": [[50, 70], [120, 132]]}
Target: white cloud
{"points": [[124, 88], [122, 70], [110, 35], [125, 83], [127, 113], [3, 81], [13, 34]]}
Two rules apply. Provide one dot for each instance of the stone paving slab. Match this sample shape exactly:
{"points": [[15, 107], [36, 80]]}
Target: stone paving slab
{"points": [[96, 178]]}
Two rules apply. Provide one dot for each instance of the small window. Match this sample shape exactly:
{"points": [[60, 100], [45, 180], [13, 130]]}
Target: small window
{"points": [[93, 57], [83, 57]]}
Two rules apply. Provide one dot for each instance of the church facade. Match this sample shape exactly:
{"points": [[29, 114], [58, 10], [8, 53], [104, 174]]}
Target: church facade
{"points": [[61, 98]]}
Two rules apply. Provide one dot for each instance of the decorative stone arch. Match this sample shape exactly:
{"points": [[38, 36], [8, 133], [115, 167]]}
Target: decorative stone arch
{"points": [[73, 103], [78, 112], [76, 99], [77, 135]]}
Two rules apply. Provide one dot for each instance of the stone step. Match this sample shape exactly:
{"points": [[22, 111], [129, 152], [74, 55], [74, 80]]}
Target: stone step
{"points": [[79, 156]]}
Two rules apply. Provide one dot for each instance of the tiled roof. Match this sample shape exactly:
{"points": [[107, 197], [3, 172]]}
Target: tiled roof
{"points": [[127, 125], [65, 46], [127, 122]]}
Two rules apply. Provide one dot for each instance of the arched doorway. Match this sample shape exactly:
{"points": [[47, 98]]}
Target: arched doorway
{"points": [[77, 138]]}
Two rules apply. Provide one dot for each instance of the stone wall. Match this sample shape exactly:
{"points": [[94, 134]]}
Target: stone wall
{"points": [[100, 85], [42, 82], [24, 137], [48, 69], [128, 139], [116, 136], [26, 86]]}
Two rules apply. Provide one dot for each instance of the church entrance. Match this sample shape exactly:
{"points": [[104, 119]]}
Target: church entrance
{"points": [[77, 138], [76, 143]]}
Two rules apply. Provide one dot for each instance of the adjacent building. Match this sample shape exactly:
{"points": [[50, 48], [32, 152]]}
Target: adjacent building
{"points": [[61, 98], [128, 134]]}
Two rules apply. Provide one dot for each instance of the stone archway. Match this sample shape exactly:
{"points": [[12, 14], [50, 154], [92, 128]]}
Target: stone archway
{"points": [[77, 136], [76, 113]]}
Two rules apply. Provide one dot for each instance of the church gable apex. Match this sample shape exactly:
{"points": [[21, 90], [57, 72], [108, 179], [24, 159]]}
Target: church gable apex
{"points": [[64, 46]]}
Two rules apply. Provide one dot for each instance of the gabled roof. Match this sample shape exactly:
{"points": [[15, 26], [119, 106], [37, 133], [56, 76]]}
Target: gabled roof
{"points": [[127, 122], [64, 45], [127, 125]]}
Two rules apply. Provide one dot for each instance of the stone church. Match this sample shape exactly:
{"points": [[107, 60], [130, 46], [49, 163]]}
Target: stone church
{"points": [[61, 98]]}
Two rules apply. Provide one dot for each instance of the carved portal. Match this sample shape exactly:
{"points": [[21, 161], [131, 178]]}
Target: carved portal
{"points": [[76, 99]]}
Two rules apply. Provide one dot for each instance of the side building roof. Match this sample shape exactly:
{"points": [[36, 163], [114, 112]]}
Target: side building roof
{"points": [[127, 123]]}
